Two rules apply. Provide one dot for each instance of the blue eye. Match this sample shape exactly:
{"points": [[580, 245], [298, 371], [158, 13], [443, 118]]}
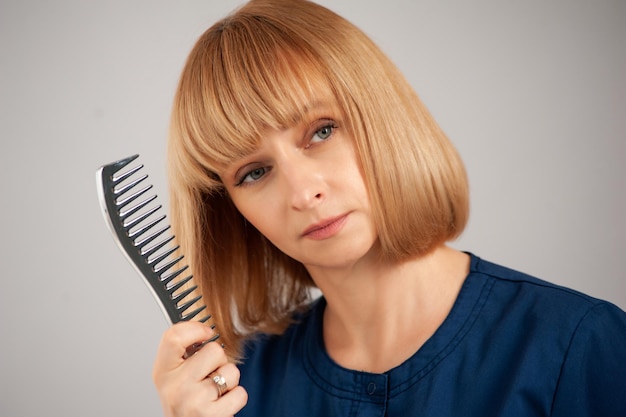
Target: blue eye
{"points": [[323, 133], [253, 175]]}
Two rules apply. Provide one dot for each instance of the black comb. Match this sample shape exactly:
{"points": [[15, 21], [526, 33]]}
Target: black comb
{"points": [[134, 218]]}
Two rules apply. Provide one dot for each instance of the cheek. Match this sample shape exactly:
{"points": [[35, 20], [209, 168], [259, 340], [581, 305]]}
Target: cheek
{"points": [[260, 214], [350, 167]]}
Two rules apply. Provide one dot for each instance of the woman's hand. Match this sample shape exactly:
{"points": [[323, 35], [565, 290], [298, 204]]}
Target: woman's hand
{"points": [[184, 384]]}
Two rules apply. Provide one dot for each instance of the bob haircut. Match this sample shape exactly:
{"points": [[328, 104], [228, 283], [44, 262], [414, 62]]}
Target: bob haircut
{"points": [[258, 68]]}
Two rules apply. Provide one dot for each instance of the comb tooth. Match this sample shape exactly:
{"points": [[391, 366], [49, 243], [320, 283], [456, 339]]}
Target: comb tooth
{"points": [[125, 201], [143, 242], [188, 304], [178, 285], [124, 214], [162, 257], [205, 319], [143, 229], [128, 174], [194, 313], [149, 252], [132, 223], [179, 297], [121, 190], [166, 279], [167, 265]]}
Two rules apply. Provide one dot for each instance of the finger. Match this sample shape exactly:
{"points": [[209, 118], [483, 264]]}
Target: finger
{"points": [[211, 357], [230, 374], [232, 402], [177, 339], [200, 402]]}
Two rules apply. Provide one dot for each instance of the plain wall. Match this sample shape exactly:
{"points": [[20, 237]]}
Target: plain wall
{"points": [[533, 93]]}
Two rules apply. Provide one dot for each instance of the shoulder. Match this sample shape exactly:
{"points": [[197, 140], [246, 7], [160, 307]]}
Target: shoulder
{"points": [[575, 342], [538, 293], [560, 316]]}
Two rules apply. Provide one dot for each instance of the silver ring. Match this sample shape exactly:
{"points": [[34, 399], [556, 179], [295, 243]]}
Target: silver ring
{"points": [[220, 383]]}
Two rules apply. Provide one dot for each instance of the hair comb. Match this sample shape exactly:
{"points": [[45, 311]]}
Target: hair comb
{"points": [[134, 219]]}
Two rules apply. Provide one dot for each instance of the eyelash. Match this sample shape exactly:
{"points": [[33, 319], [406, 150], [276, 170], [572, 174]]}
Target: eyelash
{"points": [[328, 124]]}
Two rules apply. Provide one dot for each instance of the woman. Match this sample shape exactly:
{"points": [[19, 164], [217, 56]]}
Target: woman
{"points": [[300, 158]]}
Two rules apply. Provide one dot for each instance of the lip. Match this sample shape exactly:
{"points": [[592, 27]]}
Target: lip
{"points": [[326, 228]]}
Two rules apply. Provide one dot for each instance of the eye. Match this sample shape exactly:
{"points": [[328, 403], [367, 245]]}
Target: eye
{"points": [[323, 133], [253, 175]]}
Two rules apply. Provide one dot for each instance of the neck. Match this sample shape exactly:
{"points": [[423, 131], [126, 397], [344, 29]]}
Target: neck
{"points": [[378, 315]]}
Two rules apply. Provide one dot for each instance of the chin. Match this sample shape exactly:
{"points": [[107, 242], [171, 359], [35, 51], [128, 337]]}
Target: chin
{"points": [[343, 257]]}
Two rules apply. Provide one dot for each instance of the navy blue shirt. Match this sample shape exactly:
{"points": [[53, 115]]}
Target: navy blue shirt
{"points": [[512, 345]]}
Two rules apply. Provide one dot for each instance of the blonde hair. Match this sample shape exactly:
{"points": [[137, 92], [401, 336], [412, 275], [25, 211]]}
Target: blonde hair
{"points": [[259, 68]]}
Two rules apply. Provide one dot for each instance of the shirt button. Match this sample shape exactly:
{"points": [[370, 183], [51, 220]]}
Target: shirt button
{"points": [[371, 388]]}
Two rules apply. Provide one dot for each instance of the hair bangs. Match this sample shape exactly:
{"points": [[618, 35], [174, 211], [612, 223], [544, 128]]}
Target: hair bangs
{"points": [[242, 79]]}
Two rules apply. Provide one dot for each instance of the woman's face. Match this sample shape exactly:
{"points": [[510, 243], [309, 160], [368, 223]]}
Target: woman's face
{"points": [[303, 190]]}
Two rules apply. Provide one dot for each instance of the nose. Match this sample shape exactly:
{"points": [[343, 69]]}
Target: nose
{"points": [[305, 183]]}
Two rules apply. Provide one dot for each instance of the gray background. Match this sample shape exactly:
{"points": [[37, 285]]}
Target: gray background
{"points": [[533, 94]]}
